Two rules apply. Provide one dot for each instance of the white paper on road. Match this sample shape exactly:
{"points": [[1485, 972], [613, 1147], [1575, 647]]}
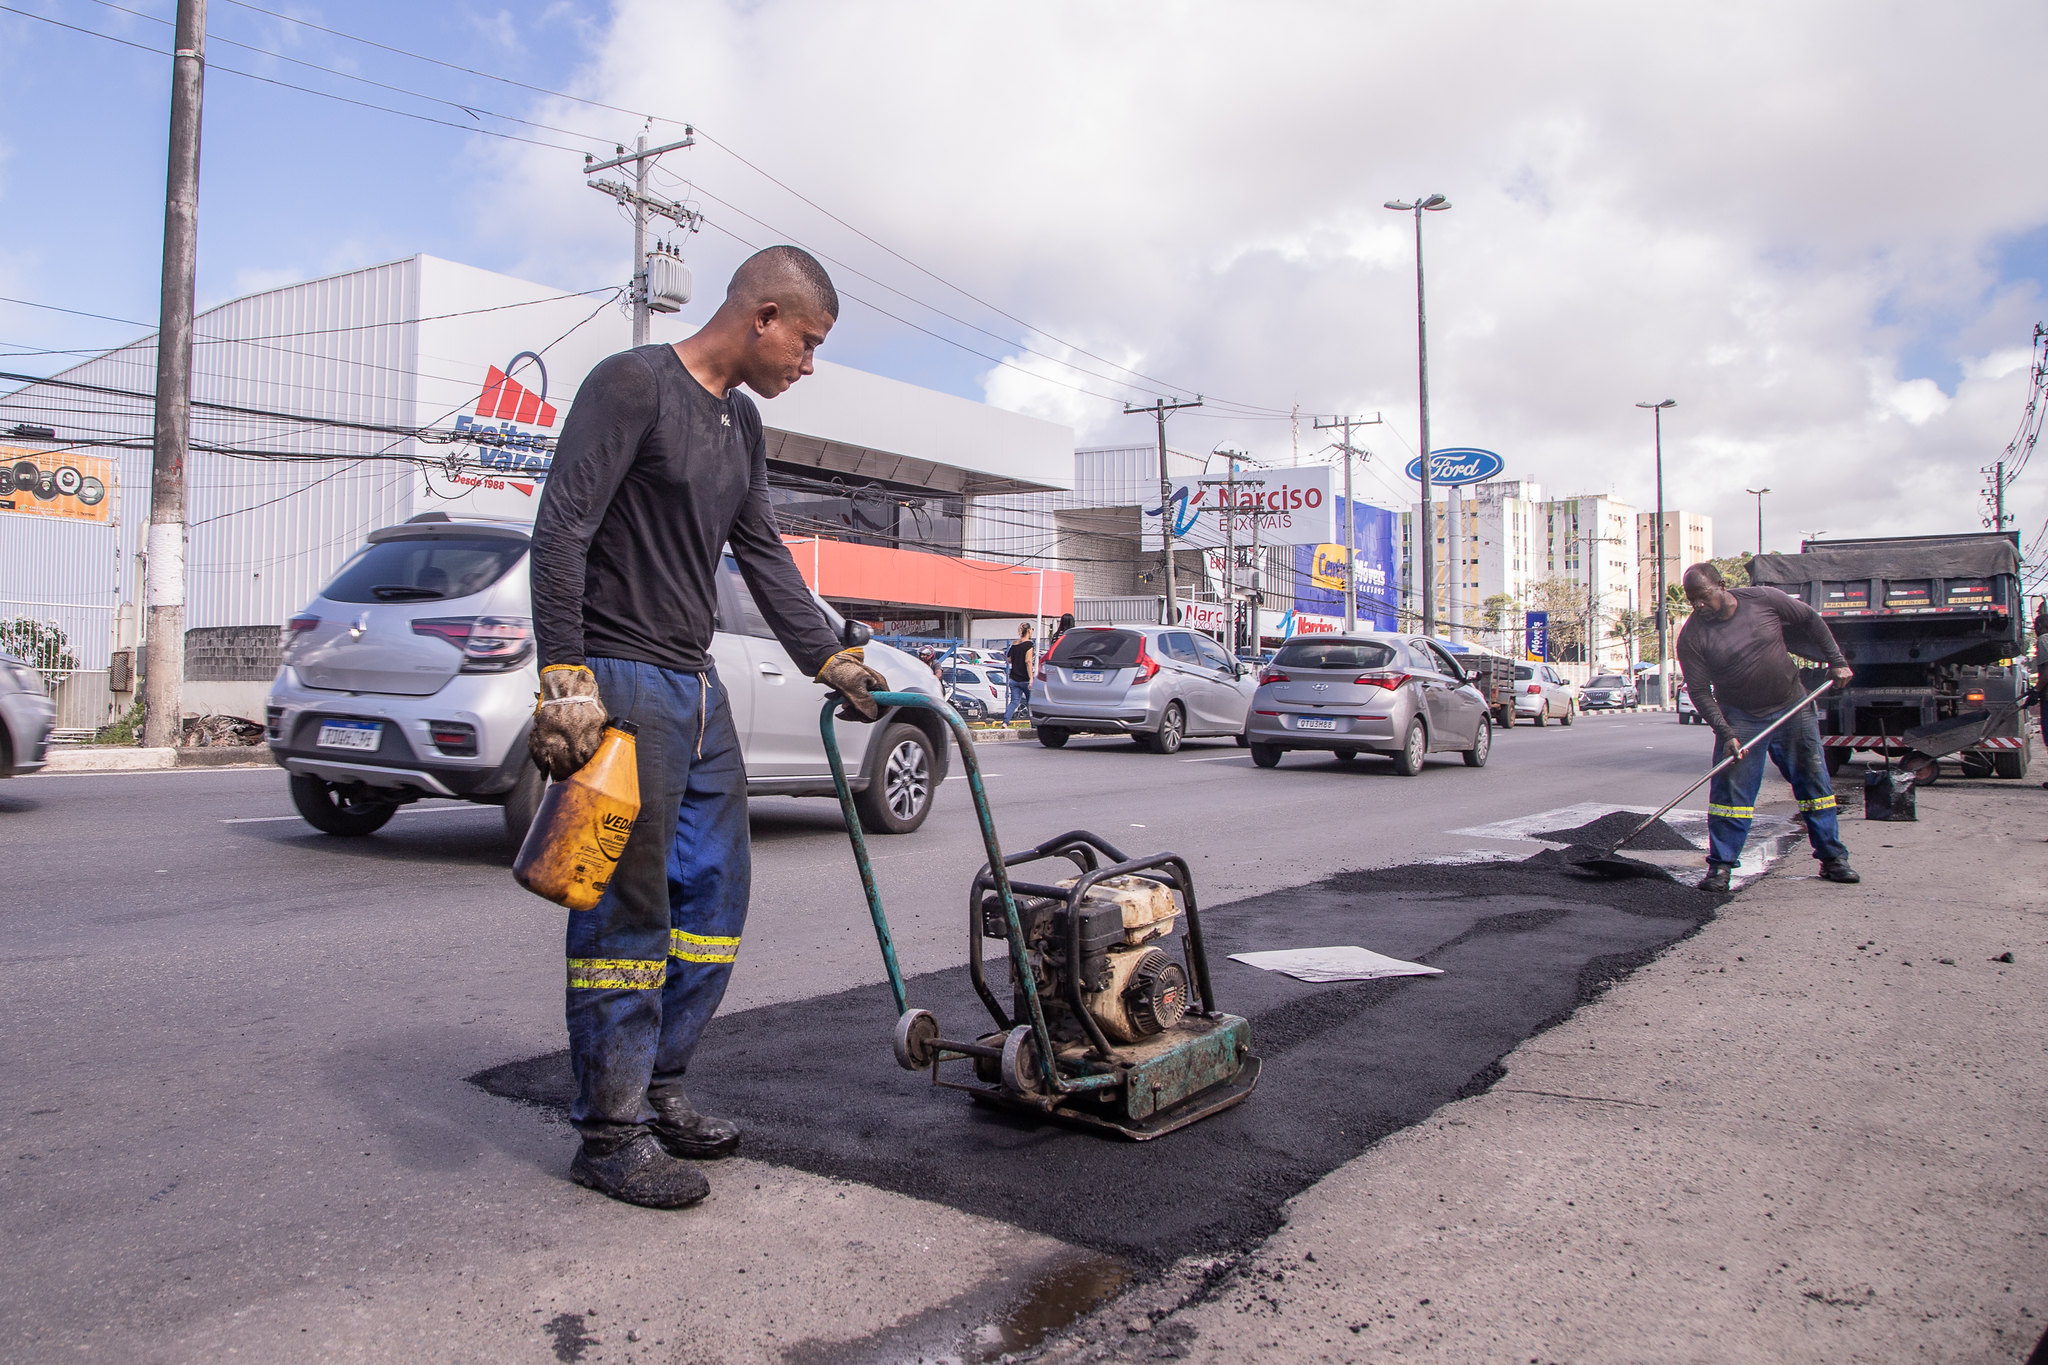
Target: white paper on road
{"points": [[1333, 964]]}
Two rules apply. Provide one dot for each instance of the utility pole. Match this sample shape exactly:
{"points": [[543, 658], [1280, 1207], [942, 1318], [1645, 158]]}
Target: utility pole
{"points": [[1435, 203], [1592, 604], [1230, 487], [1350, 517], [163, 685], [1758, 493], [1996, 493], [1663, 592], [1159, 409], [636, 197]]}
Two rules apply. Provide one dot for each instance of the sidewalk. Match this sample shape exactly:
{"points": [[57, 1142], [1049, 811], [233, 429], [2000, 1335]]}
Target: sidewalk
{"points": [[1812, 1132], [126, 758]]}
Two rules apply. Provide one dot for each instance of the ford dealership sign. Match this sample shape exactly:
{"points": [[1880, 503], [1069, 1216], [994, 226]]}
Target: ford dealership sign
{"points": [[1457, 465]]}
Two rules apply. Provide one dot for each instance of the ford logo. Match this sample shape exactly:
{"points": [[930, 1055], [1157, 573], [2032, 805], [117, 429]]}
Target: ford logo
{"points": [[1458, 465]]}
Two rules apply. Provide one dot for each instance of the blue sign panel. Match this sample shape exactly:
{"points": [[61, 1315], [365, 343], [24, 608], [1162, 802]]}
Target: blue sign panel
{"points": [[1536, 635], [1374, 534], [1458, 465]]}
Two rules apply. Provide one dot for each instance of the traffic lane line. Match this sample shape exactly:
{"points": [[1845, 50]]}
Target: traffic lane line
{"points": [[403, 810]]}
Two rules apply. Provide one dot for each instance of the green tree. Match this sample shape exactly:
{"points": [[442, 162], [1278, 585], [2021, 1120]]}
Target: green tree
{"points": [[1565, 603], [1503, 616], [40, 644]]}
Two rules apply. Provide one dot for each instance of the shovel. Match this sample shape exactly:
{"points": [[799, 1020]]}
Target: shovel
{"points": [[1604, 862]]}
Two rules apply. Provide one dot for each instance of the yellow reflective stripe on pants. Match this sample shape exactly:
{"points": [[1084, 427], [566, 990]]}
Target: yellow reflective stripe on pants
{"points": [[702, 948], [616, 973], [1818, 803], [1733, 812]]}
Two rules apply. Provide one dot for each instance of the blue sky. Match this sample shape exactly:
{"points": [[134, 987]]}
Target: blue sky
{"points": [[1815, 226]]}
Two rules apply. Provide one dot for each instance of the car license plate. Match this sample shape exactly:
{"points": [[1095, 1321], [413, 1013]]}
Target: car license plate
{"points": [[350, 734], [1091, 676], [1314, 723]]}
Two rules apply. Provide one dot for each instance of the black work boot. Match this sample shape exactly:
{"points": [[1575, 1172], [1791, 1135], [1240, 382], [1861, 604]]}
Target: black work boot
{"points": [[684, 1132], [1716, 879], [1838, 870], [637, 1171]]}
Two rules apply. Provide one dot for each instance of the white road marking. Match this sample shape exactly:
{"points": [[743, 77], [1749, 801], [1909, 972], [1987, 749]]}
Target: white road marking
{"points": [[1216, 758], [404, 810], [962, 777], [1564, 817]]}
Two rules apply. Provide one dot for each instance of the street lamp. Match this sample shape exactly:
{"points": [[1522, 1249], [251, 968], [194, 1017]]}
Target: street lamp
{"points": [[1436, 203], [1038, 621], [1759, 492], [1663, 654]]}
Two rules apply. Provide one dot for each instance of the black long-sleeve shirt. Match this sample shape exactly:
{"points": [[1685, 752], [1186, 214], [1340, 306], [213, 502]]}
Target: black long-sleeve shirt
{"points": [[1746, 660], [652, 479]]}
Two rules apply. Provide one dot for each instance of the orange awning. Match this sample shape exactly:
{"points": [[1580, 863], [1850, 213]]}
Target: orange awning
{"points": [[874, 573]]}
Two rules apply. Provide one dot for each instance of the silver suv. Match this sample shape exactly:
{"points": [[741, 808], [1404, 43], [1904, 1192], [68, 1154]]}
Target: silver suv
{"points": [[1158, 684], [412, 675], [26, 717]]}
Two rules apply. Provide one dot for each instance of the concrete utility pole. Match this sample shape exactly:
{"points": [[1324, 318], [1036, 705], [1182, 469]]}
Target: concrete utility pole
{"points": [[1663, 592], [1426, 532], [1998, 518], [1230, 487], [1592, 602], [1350, 517], [1159, 408], [163, 684], [636, 197], [1759, 494]]}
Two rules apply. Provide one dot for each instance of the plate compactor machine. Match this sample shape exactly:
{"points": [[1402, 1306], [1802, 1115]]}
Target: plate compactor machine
{"points": [[1107, 1027]]}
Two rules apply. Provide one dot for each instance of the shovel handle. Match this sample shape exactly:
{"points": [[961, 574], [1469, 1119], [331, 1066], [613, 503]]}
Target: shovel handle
{"points": [[1741, 752]]}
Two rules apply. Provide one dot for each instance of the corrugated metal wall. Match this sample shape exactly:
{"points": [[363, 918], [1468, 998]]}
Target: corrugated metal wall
{"points": [[268, 522]]}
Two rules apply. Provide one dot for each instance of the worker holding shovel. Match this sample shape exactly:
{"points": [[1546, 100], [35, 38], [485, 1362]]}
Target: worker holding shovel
{"points": [[660, 469], [1739, 669]]}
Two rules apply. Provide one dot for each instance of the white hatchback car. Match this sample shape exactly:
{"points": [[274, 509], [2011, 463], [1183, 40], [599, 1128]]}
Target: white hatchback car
{"points": [[412, 675], [1543, 694]]}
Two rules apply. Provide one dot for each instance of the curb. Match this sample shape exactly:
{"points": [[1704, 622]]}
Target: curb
{"points": [[139, 760], [1003, 735]]}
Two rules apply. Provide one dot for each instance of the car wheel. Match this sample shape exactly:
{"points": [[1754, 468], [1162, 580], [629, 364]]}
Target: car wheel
{"points": [[899, 795], [1244, 736], [1482, 745], [1570, 713], [1543, 713], [1408, 762], [1266, 755], [1345, 755], [1052, 737], [1172, 729], [329, 811], [522, 803]]}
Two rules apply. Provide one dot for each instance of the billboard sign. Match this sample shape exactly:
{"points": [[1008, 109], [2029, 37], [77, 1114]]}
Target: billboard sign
{"points": [[1319, 571], [1455, 465], [62, 484], [1536, 636], [1284, 507], [1205, 615]]}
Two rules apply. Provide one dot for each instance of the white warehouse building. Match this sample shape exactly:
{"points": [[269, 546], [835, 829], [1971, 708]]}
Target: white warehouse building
{"points": [[325, 409]]}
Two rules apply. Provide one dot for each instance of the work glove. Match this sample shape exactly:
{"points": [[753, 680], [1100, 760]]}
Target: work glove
{"points": [[852, 679], [568, 721]]}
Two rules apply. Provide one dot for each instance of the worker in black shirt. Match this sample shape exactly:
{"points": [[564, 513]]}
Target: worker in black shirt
{"points": [[1741, 677], [660, 468]]}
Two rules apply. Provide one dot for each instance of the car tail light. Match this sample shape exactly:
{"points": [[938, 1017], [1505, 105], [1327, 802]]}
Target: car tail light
{"points": [[489, 644], [293, 629], [453, 737], [1535, 689], [1390, 681], [1273, 675], [1147, 665], [1269, 713]]}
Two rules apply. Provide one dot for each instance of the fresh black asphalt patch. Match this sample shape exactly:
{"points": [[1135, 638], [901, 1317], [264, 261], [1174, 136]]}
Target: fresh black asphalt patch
{"points": [[1346, 1064]]}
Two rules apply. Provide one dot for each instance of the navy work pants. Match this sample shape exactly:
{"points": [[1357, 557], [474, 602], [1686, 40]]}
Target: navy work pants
{"points": [[1731, 803], [648, 965]]}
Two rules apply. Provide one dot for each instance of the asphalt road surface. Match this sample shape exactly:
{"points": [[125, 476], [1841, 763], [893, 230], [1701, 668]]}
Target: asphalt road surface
{"points": [[238, 1112]]}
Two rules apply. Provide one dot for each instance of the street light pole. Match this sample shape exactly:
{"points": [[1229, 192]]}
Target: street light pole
{"points": [[1159, 409], [1426, 532], [1759, 516], [1663, 623]]}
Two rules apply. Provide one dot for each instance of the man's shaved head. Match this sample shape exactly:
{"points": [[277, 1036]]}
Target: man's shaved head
{"points": [[1702, 574], [784, 275]]}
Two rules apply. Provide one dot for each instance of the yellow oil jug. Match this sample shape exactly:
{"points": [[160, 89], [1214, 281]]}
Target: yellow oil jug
{"points": [[581, 827]]}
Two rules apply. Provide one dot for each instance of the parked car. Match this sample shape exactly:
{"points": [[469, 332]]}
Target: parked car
{"points": [[975, 688], [1686, 714], [27, 715], [1350, 694], [1543, 694], [1158, 684], [1608, 692], [412, 675]]}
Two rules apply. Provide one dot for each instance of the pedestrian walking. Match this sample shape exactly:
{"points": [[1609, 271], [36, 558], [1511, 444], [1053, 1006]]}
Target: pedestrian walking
{"points": [[1066, 624], [1741, 676], [660, 466], [1020, 674]]}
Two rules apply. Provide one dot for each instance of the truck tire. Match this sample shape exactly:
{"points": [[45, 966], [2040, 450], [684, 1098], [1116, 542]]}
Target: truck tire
{"points": [[1837, 759], [330, 812], [899, 794], [2012, 763]]}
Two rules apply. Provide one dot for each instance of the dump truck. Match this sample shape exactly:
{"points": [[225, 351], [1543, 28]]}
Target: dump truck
{"points": [[1934, 628]]}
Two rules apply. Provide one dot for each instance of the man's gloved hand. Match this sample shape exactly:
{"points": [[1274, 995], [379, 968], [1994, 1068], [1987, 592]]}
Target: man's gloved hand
{"points": [[1730, 744], [852, 679], [568, 722]]}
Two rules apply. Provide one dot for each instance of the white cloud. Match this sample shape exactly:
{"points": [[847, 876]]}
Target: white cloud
{"points": [[1764, 211]]}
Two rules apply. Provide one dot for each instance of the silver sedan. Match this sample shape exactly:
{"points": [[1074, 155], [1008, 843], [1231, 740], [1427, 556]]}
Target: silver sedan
{"points": [[1380, 693]]}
